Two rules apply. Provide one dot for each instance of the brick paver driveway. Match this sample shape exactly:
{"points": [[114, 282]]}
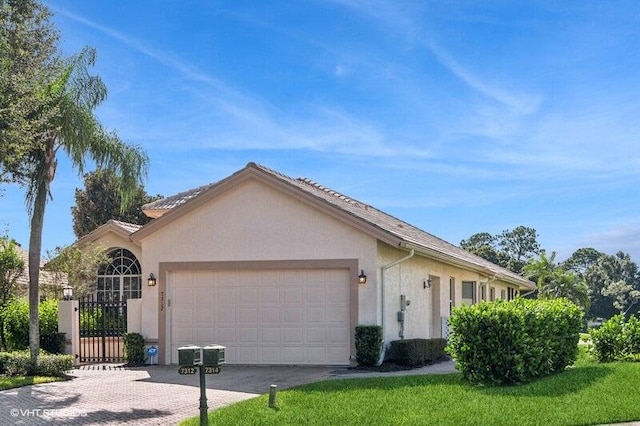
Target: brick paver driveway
{"points": [[157, 395], [154, 395]]}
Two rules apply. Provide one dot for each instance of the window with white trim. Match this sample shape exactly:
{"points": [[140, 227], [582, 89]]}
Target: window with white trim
{"points": [[452, 294], [121, 279], [469, 292]]}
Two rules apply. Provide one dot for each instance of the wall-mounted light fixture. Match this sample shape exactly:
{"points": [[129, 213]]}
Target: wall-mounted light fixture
{"points": [[427, 283], [151, 281], [67, 292], [362, 278]]}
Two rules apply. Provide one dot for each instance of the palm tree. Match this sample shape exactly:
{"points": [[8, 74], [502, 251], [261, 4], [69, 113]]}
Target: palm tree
{"points": [[541, 269], [73, 127], [553, 281]]}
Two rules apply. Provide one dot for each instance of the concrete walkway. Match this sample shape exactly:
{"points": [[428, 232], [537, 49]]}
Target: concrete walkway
{"points": [[157, 395]]}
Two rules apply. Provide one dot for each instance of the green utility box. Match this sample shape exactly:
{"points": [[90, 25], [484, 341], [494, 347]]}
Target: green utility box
{"points": [[213, 355], [189, 355]]}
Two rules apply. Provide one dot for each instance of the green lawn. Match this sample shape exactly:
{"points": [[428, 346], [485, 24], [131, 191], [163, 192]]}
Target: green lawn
{"points": [[588, 393], [16, 382]]}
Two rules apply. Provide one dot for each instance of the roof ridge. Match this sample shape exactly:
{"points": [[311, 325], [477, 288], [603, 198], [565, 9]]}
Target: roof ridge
{"points": [[331, 191]]}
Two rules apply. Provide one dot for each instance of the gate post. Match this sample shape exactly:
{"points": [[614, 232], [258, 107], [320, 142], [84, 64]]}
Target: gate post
{"points": [[69, 324]]}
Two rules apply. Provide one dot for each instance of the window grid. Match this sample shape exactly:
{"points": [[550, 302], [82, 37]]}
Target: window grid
{"points": [[121, 279]]}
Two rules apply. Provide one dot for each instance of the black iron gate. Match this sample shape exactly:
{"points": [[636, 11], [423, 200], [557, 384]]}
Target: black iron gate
{"points": [[102, 324]]}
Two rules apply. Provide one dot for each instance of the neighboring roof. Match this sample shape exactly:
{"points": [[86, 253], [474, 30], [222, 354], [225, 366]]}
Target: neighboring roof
{"points": [[46, 278], [157, 208], [122, 229], [365, 217]]}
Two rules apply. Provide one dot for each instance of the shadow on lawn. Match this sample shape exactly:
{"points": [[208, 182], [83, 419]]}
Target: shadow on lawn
{"points": [[571, 380]]}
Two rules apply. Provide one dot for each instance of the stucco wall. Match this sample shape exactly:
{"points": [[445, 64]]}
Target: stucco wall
{"points": [[423, 315], [111, 240], [254, 221]]}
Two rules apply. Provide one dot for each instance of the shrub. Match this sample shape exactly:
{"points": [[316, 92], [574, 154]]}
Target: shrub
{"points": [[414, 352], [368, 344], [91, 319], [54, 365], [607, 339], [16, 363], [514, 342], [16, 326], [19, 364], [616, 339], [133, 349]]}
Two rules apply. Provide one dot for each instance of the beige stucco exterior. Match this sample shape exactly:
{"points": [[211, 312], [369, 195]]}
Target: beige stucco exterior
{"points": [[252, 222]]}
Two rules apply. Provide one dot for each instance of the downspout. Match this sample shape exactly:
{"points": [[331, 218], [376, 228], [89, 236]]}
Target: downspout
{"points": [[384, 269]]}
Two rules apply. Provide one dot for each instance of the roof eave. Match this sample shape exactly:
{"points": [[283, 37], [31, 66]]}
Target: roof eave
{"points": [[103, 230], [434, 254]]}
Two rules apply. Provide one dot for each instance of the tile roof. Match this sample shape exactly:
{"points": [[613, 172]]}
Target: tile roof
{"points": [[412, 236], [176, 200], [129, 228], [397, 227], [46, 278]]}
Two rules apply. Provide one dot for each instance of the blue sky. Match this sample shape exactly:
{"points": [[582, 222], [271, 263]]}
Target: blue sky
{"points": [[458, 117]]}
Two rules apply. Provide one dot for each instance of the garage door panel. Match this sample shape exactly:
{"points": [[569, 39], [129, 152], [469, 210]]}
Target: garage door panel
{"points": [[247, 354], [269, 296], [337, 315], [293, 355], [293, 295], [292, 335], [270, 335], [316, 354], [292, 315], [337, 335], [226, 296], [264, 317], [247, 296], [315, 315], [271, 315], [314, 296], [270, 354], [248, 315], [206, 315], [248, 335], [224, 315], [315, 335], [204, 335], [226, 335]]}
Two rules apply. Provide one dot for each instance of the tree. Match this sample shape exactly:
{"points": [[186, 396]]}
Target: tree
{"points": [[28, 58], [582, 259], [484, 245], [75, 130], [78, 267], [625, 295], [519, 246], [100, 200], [61, 119], [510, 249], [11, 267], [608, 270], [554, 281]]}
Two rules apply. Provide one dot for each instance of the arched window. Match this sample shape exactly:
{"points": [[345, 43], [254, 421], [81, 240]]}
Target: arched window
{"points": [[121, 279]]}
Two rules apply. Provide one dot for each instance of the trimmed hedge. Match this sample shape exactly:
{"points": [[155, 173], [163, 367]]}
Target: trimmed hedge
{"points": [[514, 342], [368, 344], [616, 339], [415, 352], [133, 349], [19, 364]]}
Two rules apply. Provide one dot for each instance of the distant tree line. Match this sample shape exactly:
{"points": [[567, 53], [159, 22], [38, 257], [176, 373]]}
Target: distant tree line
{"points": [[602, 284]]}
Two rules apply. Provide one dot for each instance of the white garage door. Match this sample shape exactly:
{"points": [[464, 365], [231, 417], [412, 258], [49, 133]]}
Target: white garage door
{"points": [[263, 317]]}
